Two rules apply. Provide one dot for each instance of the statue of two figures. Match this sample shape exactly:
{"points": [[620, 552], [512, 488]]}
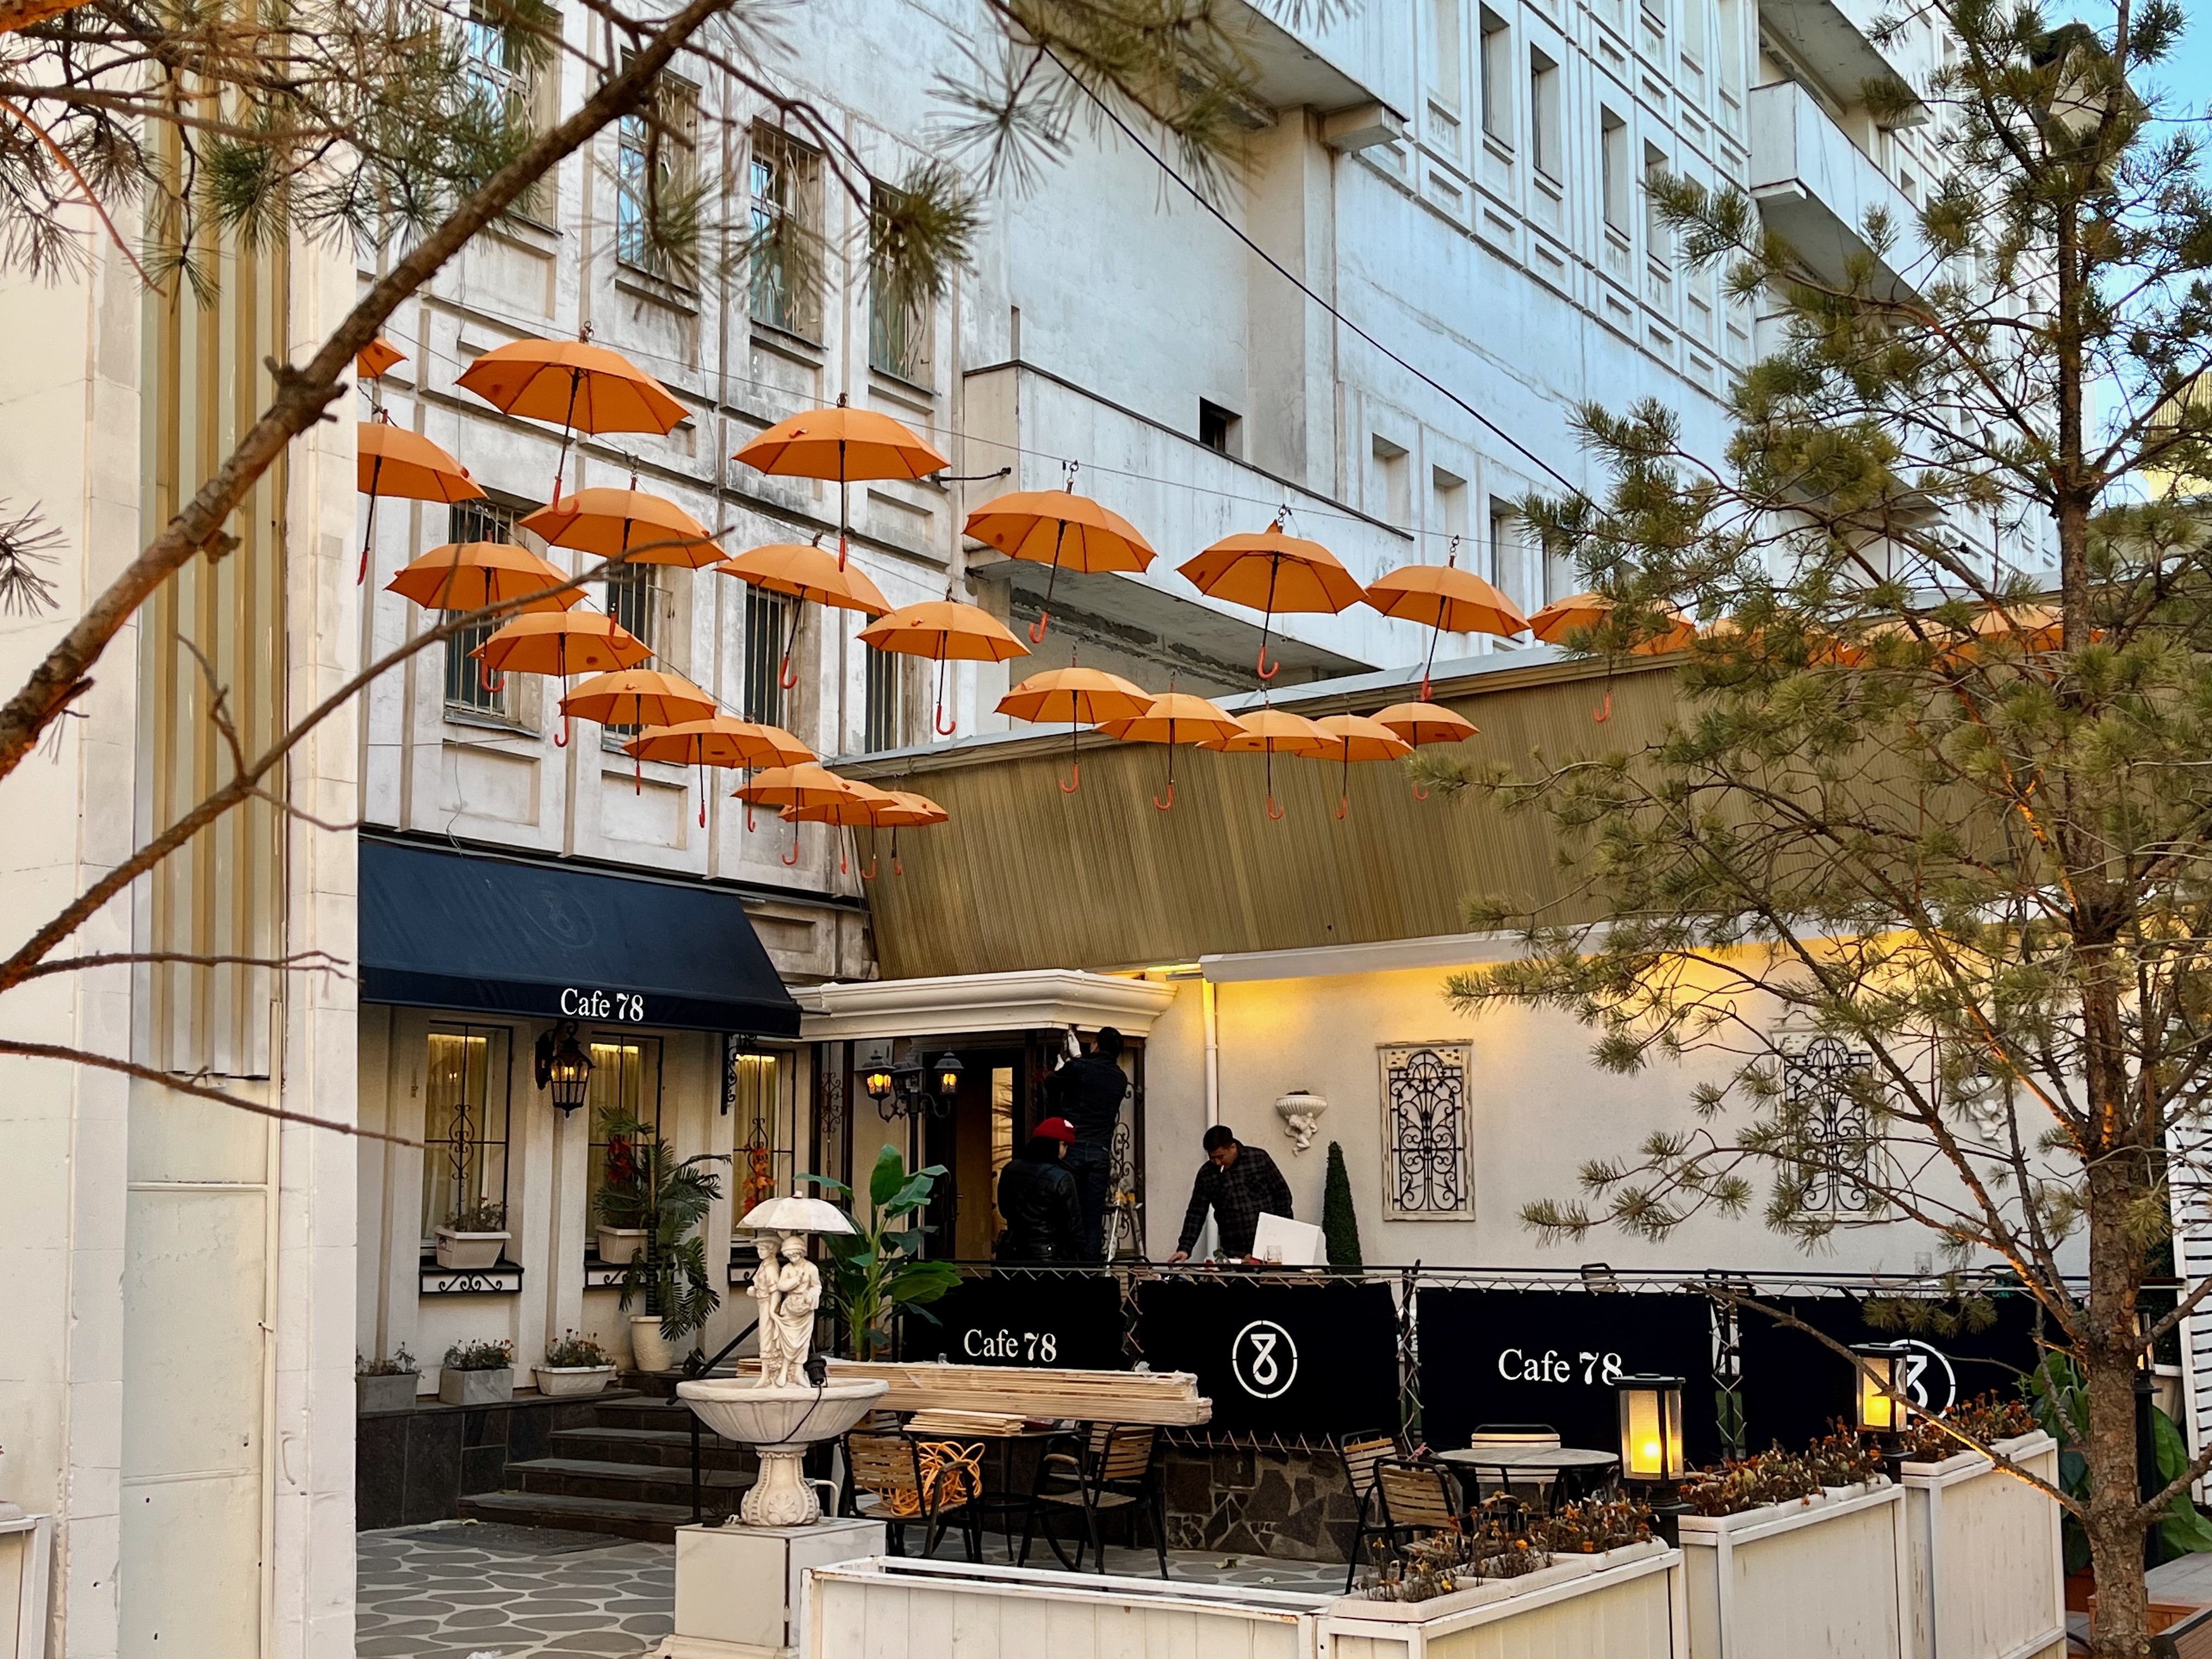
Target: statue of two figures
{"points": [[787, 1289]]}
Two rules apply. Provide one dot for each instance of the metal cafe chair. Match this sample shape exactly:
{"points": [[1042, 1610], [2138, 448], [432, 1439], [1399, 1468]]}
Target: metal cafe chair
{"points": [[904, 1482], [1359, 1458], [1538, 1489], [1113, 1469]]}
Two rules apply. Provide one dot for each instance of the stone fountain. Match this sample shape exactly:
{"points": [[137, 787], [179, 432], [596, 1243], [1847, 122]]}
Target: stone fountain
{"points": [[739, 1587]]}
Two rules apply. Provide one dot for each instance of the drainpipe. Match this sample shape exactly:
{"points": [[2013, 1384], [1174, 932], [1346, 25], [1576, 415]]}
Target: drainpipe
{"points": [[1209, 1003]]}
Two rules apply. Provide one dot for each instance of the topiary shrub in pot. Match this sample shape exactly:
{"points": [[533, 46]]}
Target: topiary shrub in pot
{"points": [[480, 1373]]}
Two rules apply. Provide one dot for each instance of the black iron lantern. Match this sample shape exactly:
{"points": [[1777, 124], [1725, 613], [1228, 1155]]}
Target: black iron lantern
{"points": [[948, 1077], [563, 1066], [878, 1082]]}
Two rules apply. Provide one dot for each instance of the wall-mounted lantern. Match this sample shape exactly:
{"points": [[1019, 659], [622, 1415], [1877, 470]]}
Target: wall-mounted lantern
{"points": [[563, 1066]]}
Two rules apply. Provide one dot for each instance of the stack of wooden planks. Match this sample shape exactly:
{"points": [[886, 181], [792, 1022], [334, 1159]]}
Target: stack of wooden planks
{"points": [[960, 1424], [1163, 1398]]}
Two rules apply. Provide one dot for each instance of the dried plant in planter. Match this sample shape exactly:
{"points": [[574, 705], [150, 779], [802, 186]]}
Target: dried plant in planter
{"points": [[1840, 1458], [486, 1215], [574, 1350], [398, 1363], [479, 1355], [1984, 1419], [1593, 1525]]}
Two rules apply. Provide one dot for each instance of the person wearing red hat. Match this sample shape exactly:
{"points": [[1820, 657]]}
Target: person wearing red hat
{"points": [[1039, 1200]]}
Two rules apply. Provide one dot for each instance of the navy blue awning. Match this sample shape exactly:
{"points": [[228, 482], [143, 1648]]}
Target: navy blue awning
{"points": [[451, 930]]}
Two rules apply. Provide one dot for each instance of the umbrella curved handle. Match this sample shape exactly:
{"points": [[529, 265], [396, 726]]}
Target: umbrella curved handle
{"points": [[1420, 794], [360, 576], [897, 869], [1425, 688], [1261, 668], [1037, 628], [1605, 711], [943, 728], [793, 859], [787, 676], [562, 741], [1274, 811], [1074, 780], [484, 678], [1343, 805], [1167, 804], [749, 817]]}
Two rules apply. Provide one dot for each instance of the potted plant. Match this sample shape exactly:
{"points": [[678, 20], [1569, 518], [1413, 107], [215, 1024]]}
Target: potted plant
{"points": [[480, 1373], [877, 1268], [574, 1364], [386, 1384], [475, 1237], [649, 1190]]}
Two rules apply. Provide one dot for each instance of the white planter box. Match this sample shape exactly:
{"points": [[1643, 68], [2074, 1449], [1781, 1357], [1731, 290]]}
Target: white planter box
{"points": [[1625, 1604], [475, 1388], [619, 1245], [554, 1381], [1825, 1576], [1988, 1569], [394, 1392], [470, 1250]]}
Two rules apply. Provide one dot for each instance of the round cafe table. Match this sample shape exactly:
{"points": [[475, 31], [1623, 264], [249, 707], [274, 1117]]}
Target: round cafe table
{"points": [[1588, 1470]]}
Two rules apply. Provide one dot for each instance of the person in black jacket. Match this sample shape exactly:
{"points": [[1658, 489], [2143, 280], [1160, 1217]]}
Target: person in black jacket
{"points": [[1038, 1198], [1088, 1093]]}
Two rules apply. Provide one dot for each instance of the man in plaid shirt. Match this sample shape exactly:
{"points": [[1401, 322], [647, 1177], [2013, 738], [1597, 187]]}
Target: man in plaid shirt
{"points": [[1237, 1182]]}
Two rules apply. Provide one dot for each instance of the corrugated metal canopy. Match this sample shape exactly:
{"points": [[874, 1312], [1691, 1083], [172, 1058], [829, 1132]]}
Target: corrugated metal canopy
{"points": [[1027, 876]]}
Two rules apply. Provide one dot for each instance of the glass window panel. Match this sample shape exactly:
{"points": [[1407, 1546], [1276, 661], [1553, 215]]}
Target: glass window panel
{"points": [[465, 1123]]}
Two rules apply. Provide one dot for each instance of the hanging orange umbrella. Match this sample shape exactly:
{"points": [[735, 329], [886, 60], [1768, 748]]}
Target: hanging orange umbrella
{"points": [[805, 573], [608, 522], [390, 460], [469, 575], [586, 388], [859, 803], [1577, 613], [1419, 723], [910, 810], [638, 696], [1062, 529], [944, 631], [2033, 628], [1272, 731], [1447, 600], [1270, 572], [372, 359], [805, 784], [718, 740], [843, 443], [1355, 737], [562, 642], [1171, 718], [1681, 629], [1081, 696]]}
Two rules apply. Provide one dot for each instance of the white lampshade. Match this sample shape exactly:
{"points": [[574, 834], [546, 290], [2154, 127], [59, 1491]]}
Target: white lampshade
{"points": [[795, 1214]]}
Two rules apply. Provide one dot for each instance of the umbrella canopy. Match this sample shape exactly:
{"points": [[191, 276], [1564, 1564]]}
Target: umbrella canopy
{"points": [[805, 784], [1176, 717], [1270, 572], [1275, 731], [1062, 529], [638, 696], [390, 460], [718, 740], [1424, 722], [1572, 615], [842, 444], [1356, 737], [863, 804], [944, 631], [584, 387], [469, 576], [2031, 627], [1681, 629], [1446, 598], [795, 1215], [1080, 696], [910, 810], [806, 573], [562, 642], [374, 358], [608, 522]]}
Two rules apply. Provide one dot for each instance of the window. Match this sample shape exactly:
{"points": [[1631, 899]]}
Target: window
{"points": [[753, 1095], [463, 1122], [886, 695], [899, 327], [1425, 1173], [1447, 505], [1395, 470], [657, 177], [787, 222], [1826, 1084], [1444, 70], [468, 685], [499, 72], [1544, 139], [766, 625], [1656, 242], [1497, 79], [633, 592], [1693, 32], [1002, 1135], [1505, 554], [1216, 428], [1612, 163], [625, 1080]]}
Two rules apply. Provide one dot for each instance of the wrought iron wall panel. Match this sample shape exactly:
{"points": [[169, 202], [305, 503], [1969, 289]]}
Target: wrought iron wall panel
{"points": [[1825, 1081], [1427, 1164]]}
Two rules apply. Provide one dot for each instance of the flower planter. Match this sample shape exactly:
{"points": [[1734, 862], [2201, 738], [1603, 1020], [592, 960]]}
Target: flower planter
{"points": [[470, 1250], [1623, 1604], [393, 1393], [555, 1381], [457, 1388], [649, 1350], [1826, 1574], [1988, 1568], [618, 1246]]}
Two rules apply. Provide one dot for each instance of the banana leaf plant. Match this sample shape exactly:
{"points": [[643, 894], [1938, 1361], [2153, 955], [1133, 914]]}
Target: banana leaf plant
{"points": [[877, 1269], [648, 1187]]}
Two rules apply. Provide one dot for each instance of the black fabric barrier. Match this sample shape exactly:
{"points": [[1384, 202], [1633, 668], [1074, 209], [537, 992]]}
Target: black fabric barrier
{"points": [[1317, 1359], [1549, 1357], [1794, 1387], [1024, 1319]]}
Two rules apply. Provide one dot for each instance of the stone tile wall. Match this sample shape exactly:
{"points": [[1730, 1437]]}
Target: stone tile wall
{"points": [[1293, 1506], [411, 1467]]}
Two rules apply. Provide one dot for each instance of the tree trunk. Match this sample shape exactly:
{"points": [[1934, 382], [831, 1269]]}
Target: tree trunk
{"points": [[2108, 1363]]}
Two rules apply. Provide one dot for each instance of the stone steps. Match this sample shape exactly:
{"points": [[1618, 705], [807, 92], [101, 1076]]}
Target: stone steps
{"points": [[620, 1519], [647, 1483], [662, 1448]]}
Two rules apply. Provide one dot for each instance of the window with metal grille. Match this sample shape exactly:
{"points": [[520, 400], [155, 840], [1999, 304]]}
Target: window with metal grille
{"points": [[632, 595], [465, 1123], [502, 74], [886, 716], [1826, 1084], [767, 625], [898, 326], [468, 685], [625, 1082], [656, 178], [786, 188]]}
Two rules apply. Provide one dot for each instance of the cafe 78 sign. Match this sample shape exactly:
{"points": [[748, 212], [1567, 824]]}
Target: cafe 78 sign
{"points": [[588, 1002]]}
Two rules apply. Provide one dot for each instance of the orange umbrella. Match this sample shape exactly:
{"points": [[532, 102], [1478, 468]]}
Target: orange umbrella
{"points": [[373, 358], [562, 642], [1175, 716], [1059, 527], [390, 460], [1424, 722], [805, 573], [906, 810], [638, 696], [861, 803], [1575, 614], [1272, 731], [1273, 572], [1081, 696], [2033, 628], [843, 443], [586, 388], [1448, 600], [718, 740], [1355, 737], [1681, 629], [944, 631], [604, 522], [805, 784], [469, 575]]}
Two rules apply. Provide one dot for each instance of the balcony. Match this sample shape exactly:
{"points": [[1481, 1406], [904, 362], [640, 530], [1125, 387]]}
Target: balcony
{"points": [[1816, 187], [1834, 39]]}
